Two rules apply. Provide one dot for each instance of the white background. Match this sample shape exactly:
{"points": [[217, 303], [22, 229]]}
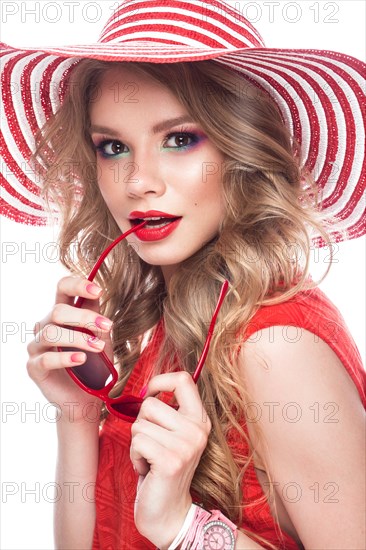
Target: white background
{"points": [[29, 255]]}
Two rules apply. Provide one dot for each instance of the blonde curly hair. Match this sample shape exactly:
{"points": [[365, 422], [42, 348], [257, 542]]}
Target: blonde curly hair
{"points": [[263, 247]]}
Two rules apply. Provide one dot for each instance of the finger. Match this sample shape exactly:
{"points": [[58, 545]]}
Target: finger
{"points": [[145, 452], [69, 287], [155, 430], [140, 481], [38, 367], [179, 433], [188, 440], [156, 411], [183, 387], [54, 336], [64, 314]]}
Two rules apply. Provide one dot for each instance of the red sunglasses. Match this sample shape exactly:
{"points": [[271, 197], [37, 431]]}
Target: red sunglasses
{"points": [[98, 375]]}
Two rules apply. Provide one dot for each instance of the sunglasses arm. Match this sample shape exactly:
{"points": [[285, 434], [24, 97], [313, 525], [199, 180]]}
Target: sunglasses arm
{"points": [[204, 353], [79, 300]]}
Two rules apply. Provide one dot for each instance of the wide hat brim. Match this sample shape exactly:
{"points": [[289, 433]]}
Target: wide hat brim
{"points": [[320, 94]]}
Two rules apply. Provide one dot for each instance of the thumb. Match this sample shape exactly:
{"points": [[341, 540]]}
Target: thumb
{"points": [[139, 483]]}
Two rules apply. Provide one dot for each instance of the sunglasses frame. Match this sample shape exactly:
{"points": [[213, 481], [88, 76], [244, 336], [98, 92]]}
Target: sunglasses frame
{"points": [[104, 391]]}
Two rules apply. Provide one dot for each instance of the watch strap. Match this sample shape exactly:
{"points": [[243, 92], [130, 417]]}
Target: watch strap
{"points": [[185, 528], [193, 538]]}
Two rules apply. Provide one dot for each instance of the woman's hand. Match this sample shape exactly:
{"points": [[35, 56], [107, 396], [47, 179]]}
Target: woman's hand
{"points": [[166, 448], [46, 365]]}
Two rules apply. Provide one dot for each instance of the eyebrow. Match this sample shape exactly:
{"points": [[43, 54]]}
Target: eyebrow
{"points": [[166, 124], [159, 127]]}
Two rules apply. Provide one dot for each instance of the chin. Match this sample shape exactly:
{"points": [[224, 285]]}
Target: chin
{"points": [[162, 262]]}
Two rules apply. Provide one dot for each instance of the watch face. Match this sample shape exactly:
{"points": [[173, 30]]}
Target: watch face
{"points": [[218, 536]]}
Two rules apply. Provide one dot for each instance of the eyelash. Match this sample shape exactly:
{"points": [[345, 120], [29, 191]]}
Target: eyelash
{"points": [[100, 148], [194, 137]]}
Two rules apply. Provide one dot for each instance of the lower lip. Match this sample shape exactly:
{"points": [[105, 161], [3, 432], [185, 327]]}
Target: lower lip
{"points": [[157, 233]]}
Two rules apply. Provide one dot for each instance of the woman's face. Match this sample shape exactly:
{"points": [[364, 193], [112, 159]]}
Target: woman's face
{"points": [[154, 161]]}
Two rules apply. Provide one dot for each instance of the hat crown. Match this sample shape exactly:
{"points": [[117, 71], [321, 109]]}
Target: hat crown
{"points": [[212, 24]]}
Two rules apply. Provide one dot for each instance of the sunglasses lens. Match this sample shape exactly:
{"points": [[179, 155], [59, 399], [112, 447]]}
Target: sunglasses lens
{"points": [[128, 407], [94, 373]]}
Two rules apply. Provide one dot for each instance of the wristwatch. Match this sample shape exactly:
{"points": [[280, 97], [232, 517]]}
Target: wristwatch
{"points": [[208, 530], [219, 533]]}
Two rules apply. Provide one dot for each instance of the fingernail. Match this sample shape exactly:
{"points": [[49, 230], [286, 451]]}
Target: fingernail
{"points": [[103, 322], [78, 357], [94, 342], [143, 392], [93, 289]]}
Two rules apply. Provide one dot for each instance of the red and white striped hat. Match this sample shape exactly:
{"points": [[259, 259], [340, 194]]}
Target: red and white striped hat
{"points": [[320, 95]]}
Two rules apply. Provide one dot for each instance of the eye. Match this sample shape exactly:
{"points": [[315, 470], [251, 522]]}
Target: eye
{"points": [[111, 148], [180, 140]]}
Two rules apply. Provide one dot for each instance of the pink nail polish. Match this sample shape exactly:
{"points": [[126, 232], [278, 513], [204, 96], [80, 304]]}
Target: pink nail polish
{"points": [[78, 357], [93, 289], [143, 392], [94, 342], [103, 323]]}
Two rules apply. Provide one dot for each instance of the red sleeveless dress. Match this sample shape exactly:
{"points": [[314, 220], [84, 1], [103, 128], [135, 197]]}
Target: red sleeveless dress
{"points": [[116, 482]]}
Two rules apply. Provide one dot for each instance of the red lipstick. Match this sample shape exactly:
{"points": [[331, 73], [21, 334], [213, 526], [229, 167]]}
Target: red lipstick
{"points": [[158, 224]]}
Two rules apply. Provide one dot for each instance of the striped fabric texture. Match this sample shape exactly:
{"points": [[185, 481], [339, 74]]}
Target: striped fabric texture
{"points": [[321, 95]]}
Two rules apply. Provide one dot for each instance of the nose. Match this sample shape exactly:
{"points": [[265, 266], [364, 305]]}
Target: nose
{"points": [[144, 176]]}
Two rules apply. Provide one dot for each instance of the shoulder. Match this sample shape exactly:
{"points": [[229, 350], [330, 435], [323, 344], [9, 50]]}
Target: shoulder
{"points": [[311, 424], [284, 361], [307, 335], [309, 309], [300, 352]]}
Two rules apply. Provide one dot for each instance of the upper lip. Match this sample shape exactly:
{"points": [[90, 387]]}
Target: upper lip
{"points": [[137, 215]]}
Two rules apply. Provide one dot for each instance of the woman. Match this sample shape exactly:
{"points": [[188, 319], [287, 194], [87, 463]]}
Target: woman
{"points": [[197, 144]]}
